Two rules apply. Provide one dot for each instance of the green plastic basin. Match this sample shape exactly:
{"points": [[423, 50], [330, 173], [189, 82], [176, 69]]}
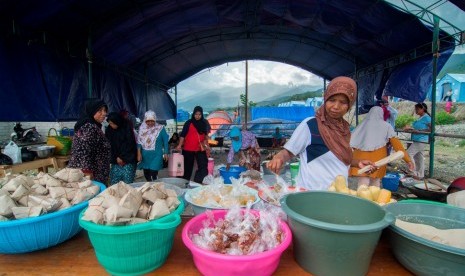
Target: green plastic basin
{"points": [[422, 256], [134, 249], [334, 234]]}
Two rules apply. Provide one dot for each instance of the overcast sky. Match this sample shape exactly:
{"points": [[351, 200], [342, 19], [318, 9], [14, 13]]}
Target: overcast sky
{"points": [[233, 75]]}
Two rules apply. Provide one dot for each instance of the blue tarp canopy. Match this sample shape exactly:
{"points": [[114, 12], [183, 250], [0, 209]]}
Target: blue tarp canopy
{"points": [[263, 127], [138, 49], [291, 113]]}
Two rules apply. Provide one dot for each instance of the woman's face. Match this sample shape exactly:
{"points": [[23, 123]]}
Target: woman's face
{"points": [[150, 123], [113, 125], [198, 115], [100, 115], [336, 106], [419, 111]]}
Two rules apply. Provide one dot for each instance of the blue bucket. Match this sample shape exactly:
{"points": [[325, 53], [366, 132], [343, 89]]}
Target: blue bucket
{"points": [[234, 171], [32, 234], [391, 181]]}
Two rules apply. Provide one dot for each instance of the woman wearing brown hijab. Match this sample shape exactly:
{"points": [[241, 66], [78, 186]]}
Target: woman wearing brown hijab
{"points": [[323, 142]]}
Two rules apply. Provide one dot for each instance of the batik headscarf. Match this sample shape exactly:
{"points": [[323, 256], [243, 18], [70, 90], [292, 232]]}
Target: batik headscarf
{"points": [[336, 132], [148, 135]]}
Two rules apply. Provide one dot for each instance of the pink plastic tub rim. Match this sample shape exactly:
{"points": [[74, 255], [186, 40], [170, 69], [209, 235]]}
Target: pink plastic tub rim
{"points": [[195, 224]]}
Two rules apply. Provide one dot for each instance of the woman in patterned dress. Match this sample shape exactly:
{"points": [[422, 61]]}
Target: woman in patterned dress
{"points": [[244, 143], [152, 146], [91, 150], [123, 149]]}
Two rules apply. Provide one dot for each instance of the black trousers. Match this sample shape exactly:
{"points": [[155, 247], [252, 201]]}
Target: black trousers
{"points": [[202, 165], [150, 175]]}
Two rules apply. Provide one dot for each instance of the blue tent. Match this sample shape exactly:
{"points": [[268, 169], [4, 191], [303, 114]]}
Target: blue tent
{"points": [[291, 113]]}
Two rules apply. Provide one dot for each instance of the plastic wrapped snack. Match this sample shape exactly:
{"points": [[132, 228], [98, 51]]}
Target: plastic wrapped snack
{"points": [[159, 209], [115, 212], [21, 191], [27, 212], [70, 175], [94, 214], [132, 200], [6, 203], [15, 182], [57, 192]]}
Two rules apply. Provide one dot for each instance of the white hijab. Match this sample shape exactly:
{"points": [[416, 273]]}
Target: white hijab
{"points": [[373, 133], [148, 135]]}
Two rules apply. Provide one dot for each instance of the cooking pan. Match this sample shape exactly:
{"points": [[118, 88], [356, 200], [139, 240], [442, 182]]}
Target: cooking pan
{"points": [[440, 196]]}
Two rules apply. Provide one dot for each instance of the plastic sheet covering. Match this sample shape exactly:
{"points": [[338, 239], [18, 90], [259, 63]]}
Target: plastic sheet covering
{"points": [[38, 84], [413, 80]]}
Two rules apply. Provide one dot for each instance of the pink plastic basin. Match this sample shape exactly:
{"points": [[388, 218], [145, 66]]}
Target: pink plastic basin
{"points": [[212, 263]]}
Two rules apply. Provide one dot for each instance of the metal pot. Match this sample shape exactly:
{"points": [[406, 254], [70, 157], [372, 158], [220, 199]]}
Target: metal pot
{"points": [[43, 151]]}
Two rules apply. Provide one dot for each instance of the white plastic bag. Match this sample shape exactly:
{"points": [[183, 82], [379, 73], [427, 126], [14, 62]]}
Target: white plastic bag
{"points": [[13, 151]]}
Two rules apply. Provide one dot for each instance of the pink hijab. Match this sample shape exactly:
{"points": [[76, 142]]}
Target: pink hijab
{"points": [[336, 132]]}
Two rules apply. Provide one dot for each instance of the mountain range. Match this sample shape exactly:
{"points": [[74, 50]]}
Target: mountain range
{"points": [[260, 93], [269, 94]]}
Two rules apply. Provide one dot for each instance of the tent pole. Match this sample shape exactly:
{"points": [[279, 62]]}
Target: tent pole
{"points": [[433, 95], [176, 103], [89, 61], [246, 92], [146, 88]]}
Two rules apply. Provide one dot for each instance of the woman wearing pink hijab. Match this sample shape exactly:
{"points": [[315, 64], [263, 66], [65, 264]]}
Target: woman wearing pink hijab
{"points": [[323, 142]]}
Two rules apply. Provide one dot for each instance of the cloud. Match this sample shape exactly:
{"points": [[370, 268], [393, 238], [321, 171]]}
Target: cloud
{"points": [[233, 75], [459, 49]]}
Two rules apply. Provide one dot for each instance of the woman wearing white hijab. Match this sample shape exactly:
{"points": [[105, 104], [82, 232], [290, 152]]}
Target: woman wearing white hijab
{"points": [[369, 141], [152, 146]]}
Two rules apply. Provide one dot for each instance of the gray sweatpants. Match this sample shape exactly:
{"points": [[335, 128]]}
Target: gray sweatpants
{"points": [[415, 151]]}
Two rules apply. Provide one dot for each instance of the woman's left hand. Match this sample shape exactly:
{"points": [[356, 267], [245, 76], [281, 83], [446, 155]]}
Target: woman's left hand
{"points": [[165, 157]]}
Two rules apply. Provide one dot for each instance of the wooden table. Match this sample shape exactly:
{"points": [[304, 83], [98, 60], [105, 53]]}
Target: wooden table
{"points": [[40, 164], [76, 257]]}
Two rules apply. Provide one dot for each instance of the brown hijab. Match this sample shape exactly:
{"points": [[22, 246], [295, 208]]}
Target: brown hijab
{"points": [[336, 132]]}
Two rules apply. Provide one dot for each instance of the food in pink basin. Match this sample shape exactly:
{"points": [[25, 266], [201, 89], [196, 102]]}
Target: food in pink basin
{"points": [[212, 263]]}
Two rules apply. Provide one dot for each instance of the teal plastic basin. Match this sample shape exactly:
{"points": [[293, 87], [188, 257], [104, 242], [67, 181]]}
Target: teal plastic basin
{"points": [[334, 234], [419, 255]]}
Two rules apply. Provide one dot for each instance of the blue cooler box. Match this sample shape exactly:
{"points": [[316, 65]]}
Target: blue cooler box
{"points": [[391, 181]]}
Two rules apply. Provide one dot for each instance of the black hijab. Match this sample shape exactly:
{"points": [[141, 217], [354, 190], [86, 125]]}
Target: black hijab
{"points": [[201, 124], [116, 118], [91, 107]]}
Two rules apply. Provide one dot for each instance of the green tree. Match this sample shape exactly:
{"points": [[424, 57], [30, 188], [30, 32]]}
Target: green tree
{"points": [[243, 101]]}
